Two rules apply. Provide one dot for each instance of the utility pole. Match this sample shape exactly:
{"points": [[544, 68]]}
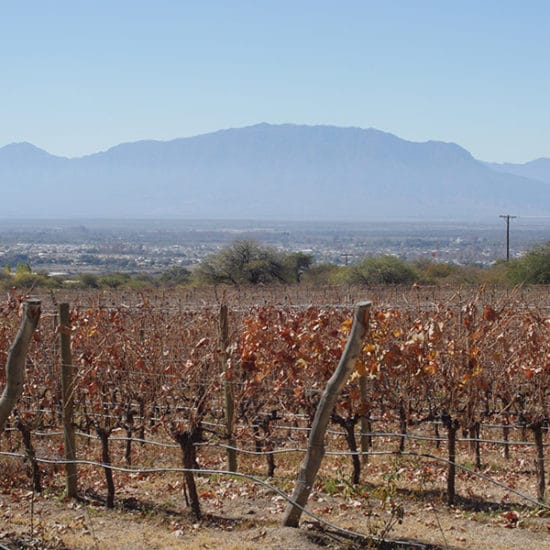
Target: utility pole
{"points": [[347, 256], [507, 217]]}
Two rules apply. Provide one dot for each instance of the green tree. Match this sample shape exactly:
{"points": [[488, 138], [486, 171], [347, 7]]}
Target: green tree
{"points": [[23, 269], [175, 276], [434, 272], [88, 280], [5, 279], [323, 274], [383, 270], [244, 262], [26, 279], [113, 280], [297, 264], [533, 268], [142, 280], [438, 273]]}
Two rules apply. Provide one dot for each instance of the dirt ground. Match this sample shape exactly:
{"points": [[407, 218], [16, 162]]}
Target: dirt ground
{"points": [[400, 498], [241, 516]]}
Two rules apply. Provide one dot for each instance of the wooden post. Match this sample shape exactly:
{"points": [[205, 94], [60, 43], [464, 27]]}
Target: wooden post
{"points": [[229, 405], [539, 460], [365, 439], [452, 427], [506, 437], [67, 400], [477, 443], [316, 447], [402, 427], [17, 354]]}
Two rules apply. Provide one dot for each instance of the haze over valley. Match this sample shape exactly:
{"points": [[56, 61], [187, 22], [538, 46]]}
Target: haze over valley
{"points": [[134, 246]]}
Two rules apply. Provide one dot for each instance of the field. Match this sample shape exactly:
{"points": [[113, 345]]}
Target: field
{"points": [[437, 439]]}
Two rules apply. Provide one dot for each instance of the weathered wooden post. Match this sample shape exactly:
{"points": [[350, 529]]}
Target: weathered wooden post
{"points": [[365, 421], [539, 460], [316, 446], [67, 400], [229, 405], [17, 354], [452, 426]]}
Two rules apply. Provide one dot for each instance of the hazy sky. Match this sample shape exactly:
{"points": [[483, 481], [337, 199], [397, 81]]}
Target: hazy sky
{"points": [[79, 76]]}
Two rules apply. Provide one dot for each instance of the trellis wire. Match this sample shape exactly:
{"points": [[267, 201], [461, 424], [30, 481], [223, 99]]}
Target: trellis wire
{"points": [[299, 450], [204, 309], [397, 435], [210, 472], [207, 471]]}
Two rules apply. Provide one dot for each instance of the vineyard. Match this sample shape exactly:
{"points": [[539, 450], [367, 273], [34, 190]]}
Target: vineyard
{"points": [[196, 407]]}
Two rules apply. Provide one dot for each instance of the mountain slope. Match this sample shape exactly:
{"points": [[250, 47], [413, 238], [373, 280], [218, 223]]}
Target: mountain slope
{"points": [[265, 171], [538, 169]]}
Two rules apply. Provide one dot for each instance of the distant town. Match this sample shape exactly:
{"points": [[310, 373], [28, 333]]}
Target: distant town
{"points": [[135, 246]]}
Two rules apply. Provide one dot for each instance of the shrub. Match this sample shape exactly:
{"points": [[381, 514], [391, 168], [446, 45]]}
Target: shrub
{"points": [[383, 270]]}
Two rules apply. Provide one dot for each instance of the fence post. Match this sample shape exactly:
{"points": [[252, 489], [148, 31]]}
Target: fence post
{"points": [[506, 437], [365, 420], [17, 354], [539, 460], [67, 400], [316, 446], [452, 426], [229, 405]]}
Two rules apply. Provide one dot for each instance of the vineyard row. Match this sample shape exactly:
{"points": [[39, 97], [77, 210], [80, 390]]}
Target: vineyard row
{"points": [[241, 370]]}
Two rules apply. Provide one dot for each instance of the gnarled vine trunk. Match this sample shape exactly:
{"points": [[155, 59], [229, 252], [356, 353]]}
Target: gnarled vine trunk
{"points": [[187, 440]]}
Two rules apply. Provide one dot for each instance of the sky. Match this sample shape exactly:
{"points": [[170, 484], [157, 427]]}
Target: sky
{"points": [[81, 76]]}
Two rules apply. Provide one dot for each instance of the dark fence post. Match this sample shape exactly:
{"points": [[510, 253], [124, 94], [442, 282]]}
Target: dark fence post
{"points": [[67, 400]]}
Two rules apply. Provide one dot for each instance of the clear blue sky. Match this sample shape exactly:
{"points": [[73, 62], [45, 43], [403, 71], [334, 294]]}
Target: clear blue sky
{"points": [[80, 76]]}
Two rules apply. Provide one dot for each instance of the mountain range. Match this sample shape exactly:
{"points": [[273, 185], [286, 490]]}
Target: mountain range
{"points": [[285, 172], [538, 169]]}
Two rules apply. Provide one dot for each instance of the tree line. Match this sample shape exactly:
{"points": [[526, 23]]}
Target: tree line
{"points": [[249, 262]]}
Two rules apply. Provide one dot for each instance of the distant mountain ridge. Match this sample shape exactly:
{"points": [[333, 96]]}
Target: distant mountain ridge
{"points": [[286, 172], [538, 169]]}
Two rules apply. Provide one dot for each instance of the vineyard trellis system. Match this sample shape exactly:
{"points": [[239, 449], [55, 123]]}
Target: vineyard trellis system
{"points": [[247, 379]]}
